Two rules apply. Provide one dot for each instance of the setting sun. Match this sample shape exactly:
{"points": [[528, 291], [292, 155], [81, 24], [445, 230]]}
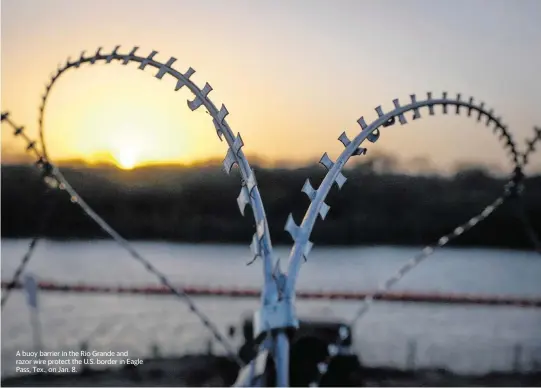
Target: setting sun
{"points": [[99, 116], [126, 159]]}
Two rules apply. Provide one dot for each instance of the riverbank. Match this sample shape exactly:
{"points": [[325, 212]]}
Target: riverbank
{"points": [[201, 206]]}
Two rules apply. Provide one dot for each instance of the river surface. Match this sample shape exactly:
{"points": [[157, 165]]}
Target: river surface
{"points": [[462, 338]]}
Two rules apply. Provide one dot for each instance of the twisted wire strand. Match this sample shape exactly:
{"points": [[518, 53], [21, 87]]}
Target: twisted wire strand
{"points": [[19, 270], [511, 189], [261, 245], [29, 252], [19, 131], [52, 171], [368, 300]]}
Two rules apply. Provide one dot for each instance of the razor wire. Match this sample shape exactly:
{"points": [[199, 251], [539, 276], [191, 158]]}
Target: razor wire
{"points": [[51, 171], [301, 234], [511, 190], [279, 286], [261, 245], [19, 131]]}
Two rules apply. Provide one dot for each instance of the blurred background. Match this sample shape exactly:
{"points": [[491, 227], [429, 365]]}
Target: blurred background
{"points": [[294, 76]]}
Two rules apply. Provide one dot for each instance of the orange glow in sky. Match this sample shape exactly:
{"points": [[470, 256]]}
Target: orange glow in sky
{"points": [[293, 76], [125, 116]]}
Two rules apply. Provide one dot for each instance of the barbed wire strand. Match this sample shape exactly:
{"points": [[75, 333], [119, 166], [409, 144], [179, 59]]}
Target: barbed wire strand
{"points": [[75, 198], [261, 244], [372, 134], [317, 207], [19, 131], [261, 239], [390, 282], [49, 210]]}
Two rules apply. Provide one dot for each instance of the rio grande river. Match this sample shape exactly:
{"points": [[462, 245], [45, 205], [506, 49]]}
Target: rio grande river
{"points": [[462, 338]]}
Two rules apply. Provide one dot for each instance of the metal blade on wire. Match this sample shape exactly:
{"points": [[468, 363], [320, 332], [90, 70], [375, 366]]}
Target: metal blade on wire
{"points": [[371, 133], [75, 198]]}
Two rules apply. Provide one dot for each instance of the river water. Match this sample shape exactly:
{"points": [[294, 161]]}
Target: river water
{"points": [[462, 338]]}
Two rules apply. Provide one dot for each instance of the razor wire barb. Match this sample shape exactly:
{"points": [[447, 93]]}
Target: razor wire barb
{"points": [[301, 234], [249, 194], [279, 286], [51, 171], [318, 207], [19, 131]]}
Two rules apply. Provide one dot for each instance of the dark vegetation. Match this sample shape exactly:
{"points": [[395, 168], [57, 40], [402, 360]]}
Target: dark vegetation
{"points": [[199, 205]]}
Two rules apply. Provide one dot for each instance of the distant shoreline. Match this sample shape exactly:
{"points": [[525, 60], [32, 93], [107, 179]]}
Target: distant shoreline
{"points": [[193, 206], [68, 240]]}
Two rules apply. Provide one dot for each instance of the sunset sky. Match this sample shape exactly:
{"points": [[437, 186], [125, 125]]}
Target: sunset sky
{"points": [[293, 75]]}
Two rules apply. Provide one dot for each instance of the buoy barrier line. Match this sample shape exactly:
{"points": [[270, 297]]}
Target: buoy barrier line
{"points": [[301, 234], [389, 296], [54, 178], [261, 245]]}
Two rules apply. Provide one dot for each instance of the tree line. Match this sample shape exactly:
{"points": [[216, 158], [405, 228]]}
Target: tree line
{"points": [[198, 204]]}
